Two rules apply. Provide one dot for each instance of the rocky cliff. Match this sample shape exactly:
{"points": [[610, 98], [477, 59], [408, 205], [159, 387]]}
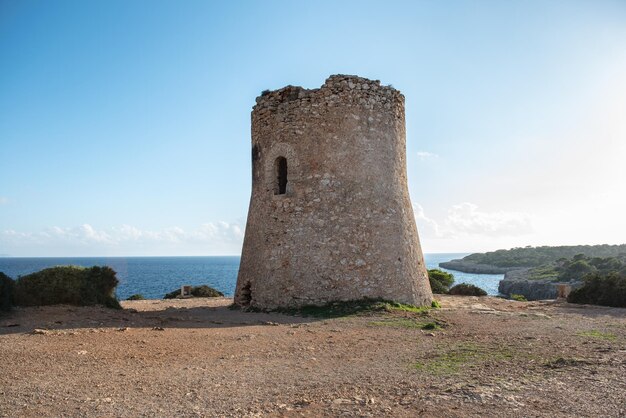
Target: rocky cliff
{"points": [[517, 282]]}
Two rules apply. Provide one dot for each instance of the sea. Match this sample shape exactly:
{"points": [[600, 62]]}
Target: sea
{"points": [[153, 277]]}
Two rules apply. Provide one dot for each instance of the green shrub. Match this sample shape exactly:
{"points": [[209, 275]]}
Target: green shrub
{"points": [[136, 296], [577, 270], [466, 289], [435, 304], [598, 289], [70, 285], [172, 295], [519, 298], [440, 281], [203, 291], [7, 288]]}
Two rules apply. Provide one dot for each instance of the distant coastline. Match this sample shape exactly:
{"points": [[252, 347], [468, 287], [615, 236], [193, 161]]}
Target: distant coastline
{"points": [[531, 271], [503, 261], [474, 268]]}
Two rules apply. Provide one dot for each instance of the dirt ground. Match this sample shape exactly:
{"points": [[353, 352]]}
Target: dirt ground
{"points": [[485, 357]]}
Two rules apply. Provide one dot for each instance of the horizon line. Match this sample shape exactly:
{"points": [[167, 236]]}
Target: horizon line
{"points": [[148, 256]]}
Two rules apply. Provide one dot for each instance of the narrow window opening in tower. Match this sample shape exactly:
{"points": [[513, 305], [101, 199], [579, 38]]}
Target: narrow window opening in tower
{"points": [[281, 175]]}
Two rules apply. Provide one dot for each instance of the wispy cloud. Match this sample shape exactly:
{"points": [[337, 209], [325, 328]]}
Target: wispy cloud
{"points": [[3, 200], [208, 238], [425, 155], [465, 219], [426, 226]]}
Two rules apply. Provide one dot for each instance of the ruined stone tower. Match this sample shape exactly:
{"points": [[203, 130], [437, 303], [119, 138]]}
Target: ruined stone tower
{"points": [[330, 217]]}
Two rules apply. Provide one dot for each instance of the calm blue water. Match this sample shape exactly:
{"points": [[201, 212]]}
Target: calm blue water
{"points": [[489, 282], [155, 276]]}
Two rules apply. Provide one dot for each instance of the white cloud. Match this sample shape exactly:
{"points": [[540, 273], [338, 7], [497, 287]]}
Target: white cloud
{"points": [[425, 155], [3, 200], [208, 238], [425, 225], [465, 219]]}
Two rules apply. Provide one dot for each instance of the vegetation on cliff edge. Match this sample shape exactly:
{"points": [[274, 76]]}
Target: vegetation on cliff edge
{"points": [[601, 289], [7, 288], [440, 281], [69, 285], [576, 268], [203, 291], [537, 256], [466, 289]]}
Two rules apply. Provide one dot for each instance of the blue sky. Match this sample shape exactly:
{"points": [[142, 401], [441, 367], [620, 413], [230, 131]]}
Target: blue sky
{"points": [[125, 126]]}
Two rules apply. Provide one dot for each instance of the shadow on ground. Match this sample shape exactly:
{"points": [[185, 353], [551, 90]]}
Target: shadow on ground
{"points": [[140, 314]]}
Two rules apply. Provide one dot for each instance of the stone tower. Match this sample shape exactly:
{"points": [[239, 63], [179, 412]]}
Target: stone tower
{"points": [[330, 216]]}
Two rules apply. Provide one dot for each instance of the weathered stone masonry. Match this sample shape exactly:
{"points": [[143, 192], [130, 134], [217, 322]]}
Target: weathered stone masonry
{"points": [[330, 216]]}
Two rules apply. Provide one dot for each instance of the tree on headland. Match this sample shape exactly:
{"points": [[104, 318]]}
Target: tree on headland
{"points": [[537, 256]]}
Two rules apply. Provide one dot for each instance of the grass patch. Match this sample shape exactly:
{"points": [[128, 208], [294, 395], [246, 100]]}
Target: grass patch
{"points": [[544, 273], [348, 308], [461, 356], [598, 335], [395, 306], [519, 298]]}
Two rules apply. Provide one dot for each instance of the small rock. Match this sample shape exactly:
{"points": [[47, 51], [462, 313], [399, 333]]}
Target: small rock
{"points": [[39, 331], [123, 329], [158, 329]]}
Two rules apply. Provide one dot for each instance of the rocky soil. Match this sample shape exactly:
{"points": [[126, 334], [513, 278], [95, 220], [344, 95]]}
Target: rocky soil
{"points": [[485, 357]]}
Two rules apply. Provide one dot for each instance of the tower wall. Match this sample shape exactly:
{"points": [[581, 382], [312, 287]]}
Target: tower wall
{"points": [[344, 229]]}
